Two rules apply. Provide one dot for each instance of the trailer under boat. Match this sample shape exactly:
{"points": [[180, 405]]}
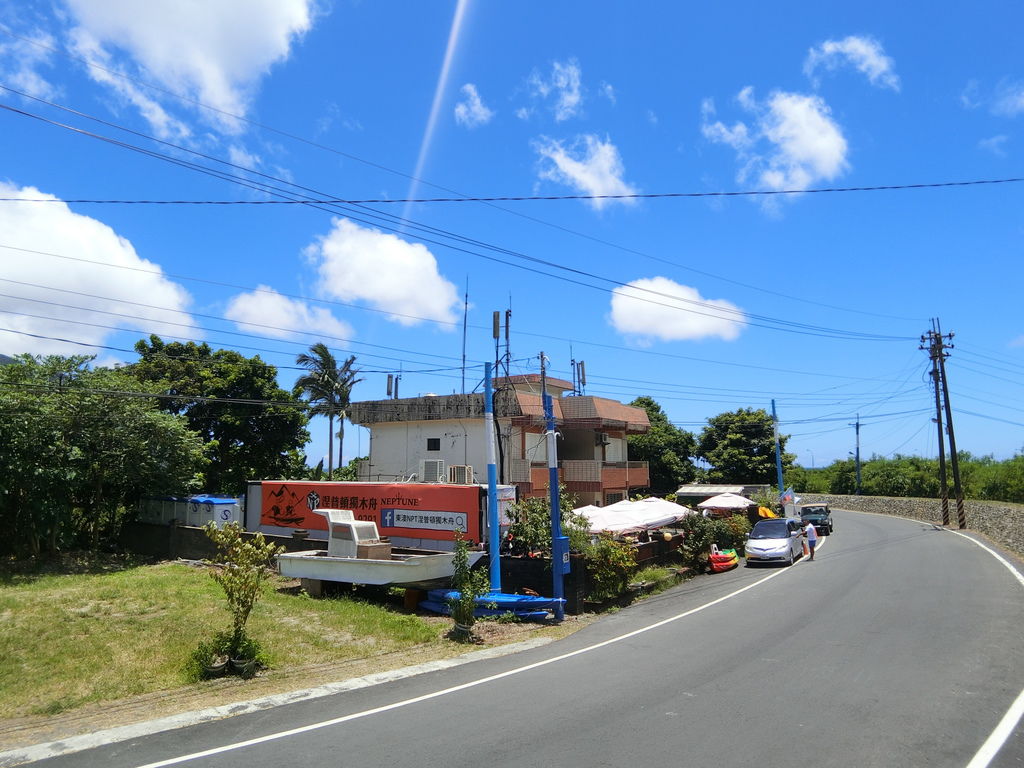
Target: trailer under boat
{"points": [[356, 554], [403, 567]]}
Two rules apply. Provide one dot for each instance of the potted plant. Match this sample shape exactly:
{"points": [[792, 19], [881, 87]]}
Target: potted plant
{"points": [[241, 569], [469, 586]]}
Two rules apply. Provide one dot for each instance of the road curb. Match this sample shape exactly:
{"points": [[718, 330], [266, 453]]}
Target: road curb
{"points": [[73, 744]]}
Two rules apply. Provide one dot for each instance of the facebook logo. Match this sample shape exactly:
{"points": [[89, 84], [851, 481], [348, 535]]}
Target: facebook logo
{"points": [[388, 516]]}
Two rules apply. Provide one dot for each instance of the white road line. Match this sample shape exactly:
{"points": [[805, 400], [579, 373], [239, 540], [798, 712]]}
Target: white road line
{"points": [[1011, 719], [454, 689]]}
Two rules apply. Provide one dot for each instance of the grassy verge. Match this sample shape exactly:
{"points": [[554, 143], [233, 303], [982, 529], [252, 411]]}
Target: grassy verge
{"points": [[67, 640]]}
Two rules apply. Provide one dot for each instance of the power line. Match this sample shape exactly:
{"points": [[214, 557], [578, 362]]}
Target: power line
{"points": [[372, 164], [711, 310], [520, 198], [551, 337]]}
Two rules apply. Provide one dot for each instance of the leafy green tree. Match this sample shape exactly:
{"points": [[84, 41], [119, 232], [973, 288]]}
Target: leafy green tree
{"points": [[739, 446], [327, 386], [1005, 481], [665, 447], [251, 427], [81, 446]]}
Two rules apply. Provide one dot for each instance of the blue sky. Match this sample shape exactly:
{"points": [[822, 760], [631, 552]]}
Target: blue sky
{"points": [[706, 303]]}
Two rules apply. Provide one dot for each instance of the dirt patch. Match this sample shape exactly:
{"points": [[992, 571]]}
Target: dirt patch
{"points": [[26, 731]]}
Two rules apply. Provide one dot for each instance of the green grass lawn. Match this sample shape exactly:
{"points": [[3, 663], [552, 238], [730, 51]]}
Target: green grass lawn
{"points": [[69, 640]]}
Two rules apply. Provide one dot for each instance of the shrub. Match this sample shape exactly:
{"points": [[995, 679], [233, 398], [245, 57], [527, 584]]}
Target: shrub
{"points": [[244, 569], [470, 584], [731, 533], [697, 540], [530, 525], [610, 565]]}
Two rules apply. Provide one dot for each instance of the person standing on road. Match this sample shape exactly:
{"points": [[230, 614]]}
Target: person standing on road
{"points": [[812, 537]]}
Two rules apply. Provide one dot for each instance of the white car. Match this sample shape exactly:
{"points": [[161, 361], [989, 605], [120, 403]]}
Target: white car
{"points": [[775, 541]]}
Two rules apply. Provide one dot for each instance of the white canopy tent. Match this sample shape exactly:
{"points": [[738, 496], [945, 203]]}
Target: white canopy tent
{"points": [[627, 516], [726, 501]]}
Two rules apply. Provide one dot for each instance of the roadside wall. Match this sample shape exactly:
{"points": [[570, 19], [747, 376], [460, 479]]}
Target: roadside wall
{"points": [[1000, 521], [191, 543]]}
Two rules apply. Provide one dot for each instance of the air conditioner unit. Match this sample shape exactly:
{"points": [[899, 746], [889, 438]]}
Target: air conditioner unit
{"points": [[432, 470], [602, 438], [460, 474]]}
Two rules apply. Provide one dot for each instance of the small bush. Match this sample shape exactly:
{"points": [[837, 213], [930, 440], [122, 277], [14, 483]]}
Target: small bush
{"points": [[245, 570], [470, 585], [731, 533], [530, 525], [610, 565]]}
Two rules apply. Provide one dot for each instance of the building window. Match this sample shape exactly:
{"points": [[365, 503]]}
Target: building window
{"points": [[433, 443], [613, 498]]}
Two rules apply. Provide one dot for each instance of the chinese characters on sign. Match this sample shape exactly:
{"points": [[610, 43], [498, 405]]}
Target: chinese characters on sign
{"points": [[429, 511]]}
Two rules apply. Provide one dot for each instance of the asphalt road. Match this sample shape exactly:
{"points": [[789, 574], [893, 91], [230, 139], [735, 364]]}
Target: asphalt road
{"points": [[900, 645]]}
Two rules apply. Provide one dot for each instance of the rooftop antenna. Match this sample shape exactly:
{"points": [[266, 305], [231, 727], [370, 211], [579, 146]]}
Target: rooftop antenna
{"points": [[465, 318]]}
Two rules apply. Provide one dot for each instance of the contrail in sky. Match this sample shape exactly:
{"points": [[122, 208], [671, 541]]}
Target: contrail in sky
{"points": [[442, 84]]}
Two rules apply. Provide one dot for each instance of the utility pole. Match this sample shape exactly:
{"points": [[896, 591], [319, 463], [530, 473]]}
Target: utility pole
{"points": [[778, 451], [856, 456], [954, 459], [559, 543], [933, 353]]}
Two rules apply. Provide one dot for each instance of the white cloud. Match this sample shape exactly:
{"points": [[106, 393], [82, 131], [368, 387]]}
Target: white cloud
{"points": [[608, 91], [214, 52], [995, 144], [737, 137], [240, 156], [52, 227], [589, 165], [564, 86], [969, 95], [267, 312], [791, 143], [662, 309], [471, 111], [523, 113], [808, 144], [1009, 100], [364, 264], [864, 53], [22, 60]]}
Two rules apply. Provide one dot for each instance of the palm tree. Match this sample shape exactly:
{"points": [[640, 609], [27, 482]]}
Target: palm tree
{"points": [[327, 387]]}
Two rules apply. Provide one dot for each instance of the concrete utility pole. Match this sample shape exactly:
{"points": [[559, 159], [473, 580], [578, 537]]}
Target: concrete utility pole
{"points": [[559, 542], [933, 353], [954, 459], [856, 456], [778, 452]]}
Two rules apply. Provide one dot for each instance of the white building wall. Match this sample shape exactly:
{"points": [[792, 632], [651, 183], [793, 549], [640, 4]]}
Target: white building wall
{"points": [[396, 449]]}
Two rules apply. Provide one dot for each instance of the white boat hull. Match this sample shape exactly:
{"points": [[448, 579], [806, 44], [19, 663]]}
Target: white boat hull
{"points": [[413, 570]]}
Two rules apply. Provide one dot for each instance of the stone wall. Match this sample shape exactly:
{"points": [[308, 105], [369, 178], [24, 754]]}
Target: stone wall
{"points": [[1002, 522]]}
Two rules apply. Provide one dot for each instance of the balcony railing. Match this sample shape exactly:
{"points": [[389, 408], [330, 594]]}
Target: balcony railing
{"points": [[582, 474]]}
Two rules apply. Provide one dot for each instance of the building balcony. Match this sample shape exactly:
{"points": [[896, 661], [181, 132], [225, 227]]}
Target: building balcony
{"points": [[581, 475]]}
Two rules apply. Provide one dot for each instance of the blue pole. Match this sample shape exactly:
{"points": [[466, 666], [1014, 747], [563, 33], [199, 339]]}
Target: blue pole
{"points": [[778, 451], [493, 524], [559, 543]]}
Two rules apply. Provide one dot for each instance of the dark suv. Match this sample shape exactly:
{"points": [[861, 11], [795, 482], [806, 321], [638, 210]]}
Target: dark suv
{"points": [[820, 515]]}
